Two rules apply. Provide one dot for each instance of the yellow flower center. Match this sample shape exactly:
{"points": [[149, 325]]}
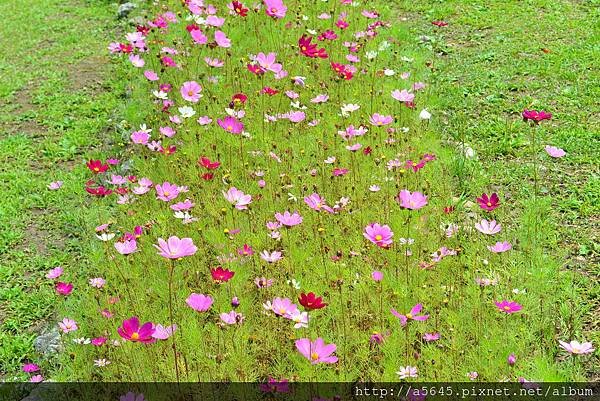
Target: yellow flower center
{"points": [[489, 204], [379, 122], [507, 308], [166, 193], [135, 336], [96, 169], [409, 316], [378, 237], [229, 128], [314, 356]]}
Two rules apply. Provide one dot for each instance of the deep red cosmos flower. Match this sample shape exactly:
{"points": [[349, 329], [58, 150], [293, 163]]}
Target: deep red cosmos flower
{"points": [[98, 191], [221, 275], [310, 301], [96, 166], [239, 8], [237, 100], [310, 49], [440, 23], [536, 116], [489, 202], [207, 164]]}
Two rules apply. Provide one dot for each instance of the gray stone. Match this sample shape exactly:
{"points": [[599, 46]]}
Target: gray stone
{"points": [[125, 9], [48, 342]]}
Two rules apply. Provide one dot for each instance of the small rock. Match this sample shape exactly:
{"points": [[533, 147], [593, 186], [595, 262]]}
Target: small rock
{"points": [[48, 342], [125, 9]]}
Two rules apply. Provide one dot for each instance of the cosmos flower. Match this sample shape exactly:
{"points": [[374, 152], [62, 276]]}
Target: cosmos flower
{"points": [[199, 302], [412, 315], [220, 275], [555, 152], [508, 306], [166, 191], [190, 91], [488, 227], [175, 248], [68, 325], [403, 95], [380, 120], [231, 125], [126, 247], [131, 330], [316, 351], [413, 201], [288, 219], [231, 318], [406, 372], [63, 288], [500, 247], [488, 202], [576, 348], [310, 301], [536, 116], [237, 198], [379, 235]]}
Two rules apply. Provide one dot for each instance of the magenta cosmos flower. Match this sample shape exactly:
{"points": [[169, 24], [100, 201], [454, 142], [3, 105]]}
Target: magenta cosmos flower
{"points": [[489, 202], [289, 219], [500, 247], [231, 125], [199, 302], [237, 198], [536, 116], [175, 248], [508, 306], [316, 351], [412, 201], [132, 331], [190, 91], [574, 347], [275, 8], [412, 315], [379, 235]]}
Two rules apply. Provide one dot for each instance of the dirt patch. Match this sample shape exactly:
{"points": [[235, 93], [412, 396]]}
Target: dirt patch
{"points": [[88, 73]]}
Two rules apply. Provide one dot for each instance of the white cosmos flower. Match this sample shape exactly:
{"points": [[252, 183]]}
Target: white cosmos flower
{"points": [[186, 111]]}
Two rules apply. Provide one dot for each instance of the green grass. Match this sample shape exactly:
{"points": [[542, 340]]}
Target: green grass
{"points": [[53, 116], [492, 61], [482, 73]]}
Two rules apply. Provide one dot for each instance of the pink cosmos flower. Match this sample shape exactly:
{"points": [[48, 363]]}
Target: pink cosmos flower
{"points": [[132, 331], [231, 125], [232, 318], [198, 37], [412, 201], [199, 302], [53, 186], [500, 247], [190, 91], [246, 250], [271, 257], [553, 151], [67, 325], [54, 273], [315, 202], [130, 396], [151, 75], [167, 191], [316, 351], [289, 219], [379, 119], [429, 337], [412, 315], [222, 40], [237, 198], [377, 276], [403, 95], [275, 8], [175, 248], [36, 379], [508, 306], [140, 137], [488, 227], [163, 333], [379, 235], [281, 307], [182, 206], [574, 347], [268, 62], [126, 247]]}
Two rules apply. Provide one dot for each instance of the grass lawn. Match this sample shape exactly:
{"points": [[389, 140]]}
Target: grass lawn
{"points": [[68, 101]]}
